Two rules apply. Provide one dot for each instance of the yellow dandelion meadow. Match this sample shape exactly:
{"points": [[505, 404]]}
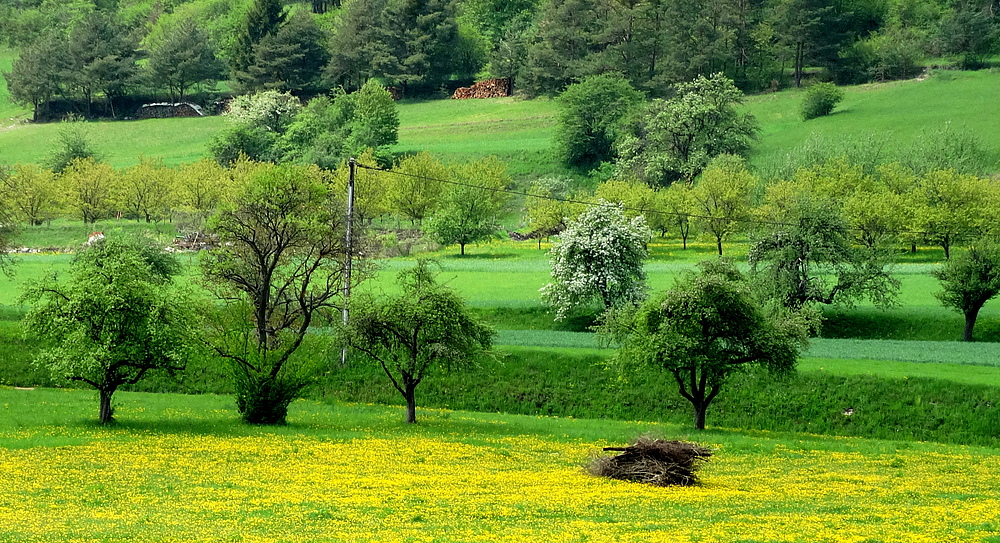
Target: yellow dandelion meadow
{"points": [[279, 488]]}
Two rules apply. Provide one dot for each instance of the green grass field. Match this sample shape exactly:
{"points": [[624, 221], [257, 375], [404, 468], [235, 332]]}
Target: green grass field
{"points": [[520, 131], [179, 465]]}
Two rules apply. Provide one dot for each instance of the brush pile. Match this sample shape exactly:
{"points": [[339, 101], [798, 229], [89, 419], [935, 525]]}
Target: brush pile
{"points": [[490, 88], [657, 462]]}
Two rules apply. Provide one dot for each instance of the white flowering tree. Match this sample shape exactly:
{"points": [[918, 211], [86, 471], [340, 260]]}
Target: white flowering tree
{"points": [[598, 259]]}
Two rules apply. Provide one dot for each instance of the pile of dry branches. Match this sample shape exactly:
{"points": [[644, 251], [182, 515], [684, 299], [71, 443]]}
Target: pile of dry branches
{"points": [[654, 461]]}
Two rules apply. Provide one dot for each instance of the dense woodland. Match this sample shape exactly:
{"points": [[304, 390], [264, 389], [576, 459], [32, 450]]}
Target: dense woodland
{"points": [[96, 58]]}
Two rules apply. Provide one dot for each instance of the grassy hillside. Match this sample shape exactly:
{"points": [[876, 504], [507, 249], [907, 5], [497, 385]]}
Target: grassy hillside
{"points": [[520, 131], [181, 465], [894, 113], [10, 113]]}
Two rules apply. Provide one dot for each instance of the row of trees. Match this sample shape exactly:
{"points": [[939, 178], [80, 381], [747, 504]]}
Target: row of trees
{"points": [[424, 45], [277, 275]]}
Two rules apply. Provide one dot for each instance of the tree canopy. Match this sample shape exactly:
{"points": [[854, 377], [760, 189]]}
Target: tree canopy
{"points": [[702, 331], [598, 258], [117, 317], [423, 329]]}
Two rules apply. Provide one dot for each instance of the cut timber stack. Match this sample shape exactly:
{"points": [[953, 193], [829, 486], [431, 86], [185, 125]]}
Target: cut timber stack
{"points": [[491, 88]]}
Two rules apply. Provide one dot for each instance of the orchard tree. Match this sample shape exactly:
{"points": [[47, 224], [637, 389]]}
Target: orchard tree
{"points": [[950, 207], [969, 281], [599, 258], [278, 269], [8, 225], [199, 187], [675, 139], [810, 259], [548, 212], [424, 329], [144, 190], [705, 329], [678, 205], [722, 197], [636, 198], [472, 208], [116, 318], [590, 113], [89, 188], [417, 187], [184, 58], [31, 193]]}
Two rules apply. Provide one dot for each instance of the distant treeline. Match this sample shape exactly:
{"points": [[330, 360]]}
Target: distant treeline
{"points": [[106, 49]]}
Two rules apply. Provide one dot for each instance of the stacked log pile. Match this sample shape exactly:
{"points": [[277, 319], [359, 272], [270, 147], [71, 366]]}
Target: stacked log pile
{"points": [[490, 88], [165, 110]]}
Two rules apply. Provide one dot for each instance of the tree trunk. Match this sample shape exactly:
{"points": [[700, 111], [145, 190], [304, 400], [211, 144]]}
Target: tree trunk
{"points": [[699, 416], [462, 246], [718, 243], [411, 403], [106, 411], [970, 323]]}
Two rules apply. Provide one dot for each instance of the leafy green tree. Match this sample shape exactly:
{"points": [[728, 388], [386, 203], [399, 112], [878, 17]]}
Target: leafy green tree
{"points": [[257, 124], [548, 213], [971, 31], [37, 75], [89, 188], [117, 318], [808, 258], [675, 139], [722, 197], [678, 206], [417, 189], [703, 331], [599, 258], [949, 207], [277, 270], [291, 59], [590, 113], [471, 210], [809, 32], [425, 328], [31, 193], [969, 281], [327, 132], [184, 58], [143, 191], [263, 18]]}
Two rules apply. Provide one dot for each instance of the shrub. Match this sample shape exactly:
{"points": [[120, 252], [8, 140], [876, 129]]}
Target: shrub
{"points": [[820, 100]]}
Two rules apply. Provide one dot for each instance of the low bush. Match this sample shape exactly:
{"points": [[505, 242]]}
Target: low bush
{"points": [[820, 100]]}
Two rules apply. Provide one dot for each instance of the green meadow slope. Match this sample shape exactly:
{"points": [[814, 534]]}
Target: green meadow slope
{"points": [[520, 131]]}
